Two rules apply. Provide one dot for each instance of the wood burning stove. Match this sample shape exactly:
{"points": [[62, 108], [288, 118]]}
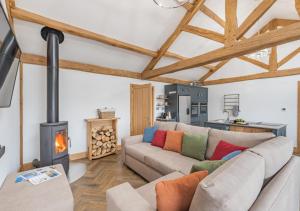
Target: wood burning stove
{"points": [[53, 133], [54, 144]]}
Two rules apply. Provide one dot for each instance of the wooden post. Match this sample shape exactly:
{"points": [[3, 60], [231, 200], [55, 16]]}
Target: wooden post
{"points": [[21, 115]]}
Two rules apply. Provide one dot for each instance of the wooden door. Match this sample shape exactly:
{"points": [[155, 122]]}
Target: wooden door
{"points": [[141, 107]]}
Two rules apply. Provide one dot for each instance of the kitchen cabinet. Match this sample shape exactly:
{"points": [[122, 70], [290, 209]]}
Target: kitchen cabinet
{"points": [[195, 112]]}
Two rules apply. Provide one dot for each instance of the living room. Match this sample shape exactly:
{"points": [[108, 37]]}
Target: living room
{"points": [[127, 104]]}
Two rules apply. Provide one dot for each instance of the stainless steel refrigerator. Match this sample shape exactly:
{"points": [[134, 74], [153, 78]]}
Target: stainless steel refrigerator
{"points": [[185, 109]]}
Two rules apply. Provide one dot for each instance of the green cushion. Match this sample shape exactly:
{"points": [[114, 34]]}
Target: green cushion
{"points": [[194, 146], [209, 165]]}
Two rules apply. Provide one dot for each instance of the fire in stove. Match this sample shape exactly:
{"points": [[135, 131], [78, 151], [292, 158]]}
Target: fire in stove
{"points": [[60, 142]]}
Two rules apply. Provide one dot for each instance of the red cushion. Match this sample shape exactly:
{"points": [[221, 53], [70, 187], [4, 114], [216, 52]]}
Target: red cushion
{"points": [[159, 138], [224, 148]]}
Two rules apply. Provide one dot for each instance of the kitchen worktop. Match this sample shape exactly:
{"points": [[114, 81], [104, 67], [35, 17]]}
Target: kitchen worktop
{"points": [[276, 128], [250, 124]]}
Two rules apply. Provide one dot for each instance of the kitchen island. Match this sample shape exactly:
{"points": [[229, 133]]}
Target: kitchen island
{"points": [[249, 127]]}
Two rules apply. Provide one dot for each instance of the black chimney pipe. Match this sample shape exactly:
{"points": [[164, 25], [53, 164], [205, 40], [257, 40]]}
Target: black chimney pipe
{"points": [[53, 38]]}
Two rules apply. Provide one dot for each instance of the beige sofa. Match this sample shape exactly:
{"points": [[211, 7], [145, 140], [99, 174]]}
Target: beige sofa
{"points": [[264, 177]]}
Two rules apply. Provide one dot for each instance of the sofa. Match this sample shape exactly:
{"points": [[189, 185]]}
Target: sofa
{"points": [[263, 177]]}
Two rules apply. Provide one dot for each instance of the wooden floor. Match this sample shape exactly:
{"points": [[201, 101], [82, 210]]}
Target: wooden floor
{"points": [[102, 174]]}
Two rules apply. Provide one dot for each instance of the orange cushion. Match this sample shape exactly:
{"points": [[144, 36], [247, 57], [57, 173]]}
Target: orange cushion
{"points": [[177, 195], [173, 141]]}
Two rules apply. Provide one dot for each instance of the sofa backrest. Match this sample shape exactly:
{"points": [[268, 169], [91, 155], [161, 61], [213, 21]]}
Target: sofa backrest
{"points": [[192, 130], [276, 152], [233, 186], [165, 125], [237, 138], [282, 192]]}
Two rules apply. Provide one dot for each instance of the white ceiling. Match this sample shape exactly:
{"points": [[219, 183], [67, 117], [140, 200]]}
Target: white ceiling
{"points": [[143, 23]]}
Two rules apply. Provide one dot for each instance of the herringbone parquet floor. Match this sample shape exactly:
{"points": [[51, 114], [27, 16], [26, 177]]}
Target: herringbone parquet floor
{"points": [[102, 174]]}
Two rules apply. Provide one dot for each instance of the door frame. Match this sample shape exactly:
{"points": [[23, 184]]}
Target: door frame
{"points": [[151, 104], [297, 149]]}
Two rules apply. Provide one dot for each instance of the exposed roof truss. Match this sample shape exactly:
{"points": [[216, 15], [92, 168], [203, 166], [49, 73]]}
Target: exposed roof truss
{"points": [[274, 33]]}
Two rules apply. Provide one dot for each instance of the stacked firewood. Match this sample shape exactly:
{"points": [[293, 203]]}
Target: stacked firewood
{"points": [[103, 141]]}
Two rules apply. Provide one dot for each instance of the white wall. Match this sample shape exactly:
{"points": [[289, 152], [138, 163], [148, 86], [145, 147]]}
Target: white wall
{"points": [[260, 100], [10, 135], [10, 132], [80, 95]]}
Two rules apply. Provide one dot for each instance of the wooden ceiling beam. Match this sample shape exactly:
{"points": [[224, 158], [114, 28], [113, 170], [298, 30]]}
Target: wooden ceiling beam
{"points": [[272, 74], [289, 57], [212, 15], [215, 36], [231, 25], [77, 66], [275, 23], [185, 20], [208, 12], [255, 62], [212, 71], [273, 59], [9, 5], [243, 47], [76, 31], [284, 22], [255, 15]]}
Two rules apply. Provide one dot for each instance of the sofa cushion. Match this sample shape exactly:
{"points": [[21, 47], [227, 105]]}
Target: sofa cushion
{"points": [[148, 191], [192, 130], [224, 148], [124, 197], [232, 155], [194, 146], [149, 134], [159, 138], [276, 152], [166, 125], [209, 165], [234, 186], [139, 151], [177, 194], [237, 138], [166, 162], [173, 141], [143, 170]]}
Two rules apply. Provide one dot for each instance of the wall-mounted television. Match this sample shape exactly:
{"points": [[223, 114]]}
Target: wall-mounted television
{"points": [[9, 60]]}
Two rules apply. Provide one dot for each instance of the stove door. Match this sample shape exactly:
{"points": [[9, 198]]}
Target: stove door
{"points": [[60, 141]]}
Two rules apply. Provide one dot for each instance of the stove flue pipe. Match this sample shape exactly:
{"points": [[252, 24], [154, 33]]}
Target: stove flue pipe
{"points": [[53, 38]]}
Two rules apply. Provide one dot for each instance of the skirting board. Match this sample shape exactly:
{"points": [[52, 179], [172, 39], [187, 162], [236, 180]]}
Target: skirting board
{"points": [[75, 156]]}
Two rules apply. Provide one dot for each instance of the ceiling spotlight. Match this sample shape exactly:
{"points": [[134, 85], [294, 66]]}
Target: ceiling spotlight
{"points": [[170, 3]]}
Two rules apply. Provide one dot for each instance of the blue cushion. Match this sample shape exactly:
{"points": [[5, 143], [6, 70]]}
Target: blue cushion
{"points": [[231, 155], [149, 134]]}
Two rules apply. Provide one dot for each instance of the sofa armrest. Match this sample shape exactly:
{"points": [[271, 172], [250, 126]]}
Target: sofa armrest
{"points": [[128, 141], [124, 198]]}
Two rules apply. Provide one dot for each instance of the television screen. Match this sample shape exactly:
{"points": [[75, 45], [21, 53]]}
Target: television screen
{"points": [[9, 60]]}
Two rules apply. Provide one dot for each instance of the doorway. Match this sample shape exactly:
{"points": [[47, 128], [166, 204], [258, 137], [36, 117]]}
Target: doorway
{"points": [[141, 107]]}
